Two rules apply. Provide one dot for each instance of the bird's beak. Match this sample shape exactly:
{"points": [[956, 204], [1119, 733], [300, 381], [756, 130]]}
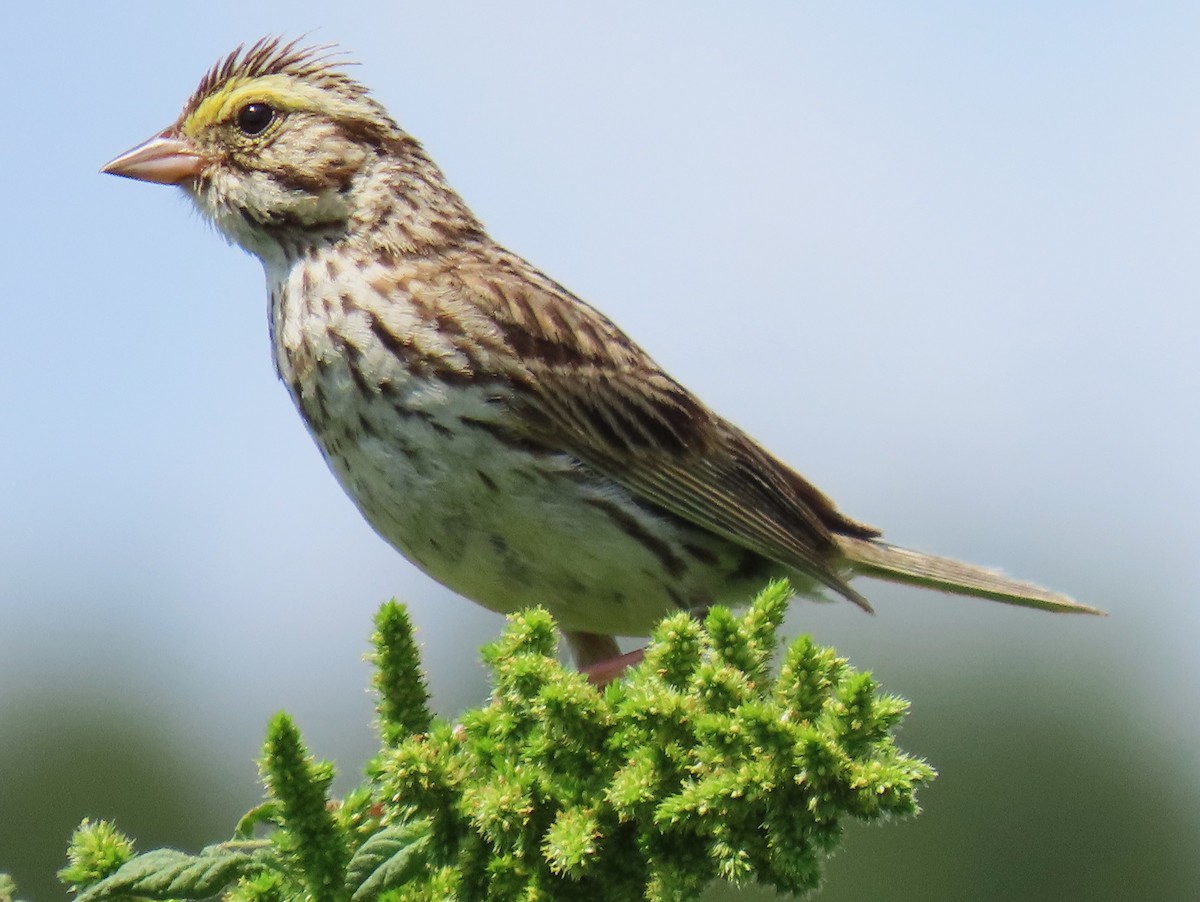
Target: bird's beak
{"points": [[163, 159]]}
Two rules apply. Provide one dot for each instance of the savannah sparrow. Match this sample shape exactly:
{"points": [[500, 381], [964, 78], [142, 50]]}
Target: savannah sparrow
{"points": [[501, 433]]}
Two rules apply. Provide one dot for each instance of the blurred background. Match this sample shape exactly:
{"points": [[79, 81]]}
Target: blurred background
{"points": [[940, 257]]}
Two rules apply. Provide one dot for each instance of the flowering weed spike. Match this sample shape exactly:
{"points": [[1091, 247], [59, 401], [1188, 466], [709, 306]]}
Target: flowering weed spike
{"points": [[528, 632], [97, 850], [265, 886], [403, 696], [856, 709], [675, 650], [422, 778], [761, 624], [522, 659], [309, 833], [570, 844], [728, 639], [808, 676]]}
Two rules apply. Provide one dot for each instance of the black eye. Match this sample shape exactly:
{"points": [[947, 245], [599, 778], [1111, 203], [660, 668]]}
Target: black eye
{"points": [[253, 118]]}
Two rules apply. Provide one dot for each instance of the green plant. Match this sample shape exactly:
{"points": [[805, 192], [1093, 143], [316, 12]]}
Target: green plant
{"points": [[8, 889], [699, 765]]}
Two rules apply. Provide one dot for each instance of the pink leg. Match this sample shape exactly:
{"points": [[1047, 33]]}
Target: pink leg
{"points": [[602, 673], [599, 657]]}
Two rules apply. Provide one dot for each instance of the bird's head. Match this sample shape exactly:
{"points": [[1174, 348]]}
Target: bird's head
{"points": [[281, 149]]}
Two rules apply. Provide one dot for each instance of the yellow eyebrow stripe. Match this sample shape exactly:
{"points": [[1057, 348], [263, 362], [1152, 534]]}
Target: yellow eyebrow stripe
{"points": [[280, 91]]}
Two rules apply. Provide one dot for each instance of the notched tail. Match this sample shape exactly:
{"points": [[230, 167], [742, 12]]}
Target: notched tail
{"points": [[870, 557]]}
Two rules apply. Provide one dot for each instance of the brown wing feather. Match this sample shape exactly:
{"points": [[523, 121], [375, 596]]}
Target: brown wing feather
{"points": [[589, 390]]}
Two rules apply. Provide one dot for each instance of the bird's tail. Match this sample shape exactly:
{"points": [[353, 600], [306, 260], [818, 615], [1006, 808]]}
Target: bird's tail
{"points": [[870, 557]]}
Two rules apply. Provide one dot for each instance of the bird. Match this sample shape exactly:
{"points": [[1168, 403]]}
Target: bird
{"points": [[501, 433]]}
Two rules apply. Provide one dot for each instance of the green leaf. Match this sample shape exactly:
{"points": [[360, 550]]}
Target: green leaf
{"points": [[254, 818], [170, 874], [389, 859]]}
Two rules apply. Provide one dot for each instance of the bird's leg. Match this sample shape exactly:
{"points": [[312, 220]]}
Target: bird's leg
{"points": [[599, 658]]}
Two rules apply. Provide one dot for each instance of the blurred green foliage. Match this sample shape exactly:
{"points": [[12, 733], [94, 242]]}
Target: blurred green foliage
{"points": [[66, 757]]}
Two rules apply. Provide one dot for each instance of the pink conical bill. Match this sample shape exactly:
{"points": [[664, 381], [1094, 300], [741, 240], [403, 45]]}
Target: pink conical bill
{"points": [[163, 159]]}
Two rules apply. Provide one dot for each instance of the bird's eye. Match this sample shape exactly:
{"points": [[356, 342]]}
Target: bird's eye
{"points": [[253, 118]]}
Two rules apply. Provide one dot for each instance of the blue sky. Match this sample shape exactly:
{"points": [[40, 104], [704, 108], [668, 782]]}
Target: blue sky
{"points": [[943, 260]]}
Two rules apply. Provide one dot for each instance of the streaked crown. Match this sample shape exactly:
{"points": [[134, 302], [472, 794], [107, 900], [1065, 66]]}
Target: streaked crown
{"points": [[282, 150]]}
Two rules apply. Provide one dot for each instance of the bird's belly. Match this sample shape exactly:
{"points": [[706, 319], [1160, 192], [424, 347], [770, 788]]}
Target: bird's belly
{"points": [[510, 525]]}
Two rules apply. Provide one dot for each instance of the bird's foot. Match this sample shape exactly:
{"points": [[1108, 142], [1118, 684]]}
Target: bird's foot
{"points": [[601, 673]]}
